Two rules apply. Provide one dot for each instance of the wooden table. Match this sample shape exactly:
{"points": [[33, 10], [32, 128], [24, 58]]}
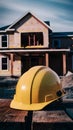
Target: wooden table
{"points": [[11, 119], [10, 115]]}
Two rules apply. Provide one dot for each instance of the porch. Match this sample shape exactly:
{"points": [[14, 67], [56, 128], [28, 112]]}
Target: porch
{"points": [[38, 56]]}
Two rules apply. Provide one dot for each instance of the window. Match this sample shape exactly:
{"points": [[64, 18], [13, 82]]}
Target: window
{"points": [[56, 44], [4, 64], [32, 39], [4, 41]]}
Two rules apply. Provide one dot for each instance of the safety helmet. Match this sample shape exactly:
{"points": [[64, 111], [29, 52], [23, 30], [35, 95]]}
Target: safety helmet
{"points": [[36, 88]]}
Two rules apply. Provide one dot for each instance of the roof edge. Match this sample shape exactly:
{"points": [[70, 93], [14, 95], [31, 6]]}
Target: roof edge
{"points": [[33, 16]]}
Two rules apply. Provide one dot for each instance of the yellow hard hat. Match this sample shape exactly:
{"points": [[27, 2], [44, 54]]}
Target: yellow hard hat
{"points": [[36, 88]]}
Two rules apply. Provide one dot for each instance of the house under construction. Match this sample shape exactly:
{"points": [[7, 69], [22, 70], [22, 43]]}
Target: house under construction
{"points": [[29, 41]]}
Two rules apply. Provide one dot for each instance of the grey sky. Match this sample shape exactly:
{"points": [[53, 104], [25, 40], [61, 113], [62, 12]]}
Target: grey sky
{"points": [[58, 12]]}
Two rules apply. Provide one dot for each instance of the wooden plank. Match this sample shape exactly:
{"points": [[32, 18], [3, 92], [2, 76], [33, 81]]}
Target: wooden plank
{"points": [[50, 116], [10, 115], [53, 119], [64, 64]]}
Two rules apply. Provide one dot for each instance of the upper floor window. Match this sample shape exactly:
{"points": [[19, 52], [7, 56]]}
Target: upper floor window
{"points": [[32, 39], [56, 44], [4, 41]]}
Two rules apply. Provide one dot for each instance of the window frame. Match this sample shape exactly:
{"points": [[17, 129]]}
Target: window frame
{"points": [[4, 41], [1, 63], [32, 39]]}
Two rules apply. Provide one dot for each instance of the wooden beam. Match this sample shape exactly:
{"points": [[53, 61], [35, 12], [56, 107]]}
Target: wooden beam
{"points": [[34, 39], [29, 40], [46, 59], [64, 64], [11, 57]]}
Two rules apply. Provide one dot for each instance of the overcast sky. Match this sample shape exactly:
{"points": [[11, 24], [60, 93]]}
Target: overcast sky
{"points": [[58, 12]]}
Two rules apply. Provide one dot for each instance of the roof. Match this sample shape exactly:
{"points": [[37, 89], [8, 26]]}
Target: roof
{"points": [[11, 27], [25, 15], [61, 34], [4, 27]]}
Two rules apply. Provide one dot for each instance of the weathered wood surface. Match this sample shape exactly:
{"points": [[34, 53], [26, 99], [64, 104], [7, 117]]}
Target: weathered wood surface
{"points": [[52, 119], [50, 116], [10, 115]]}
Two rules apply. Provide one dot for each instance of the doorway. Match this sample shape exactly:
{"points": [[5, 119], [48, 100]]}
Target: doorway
{"points": [[55, 63], [29, 61]]}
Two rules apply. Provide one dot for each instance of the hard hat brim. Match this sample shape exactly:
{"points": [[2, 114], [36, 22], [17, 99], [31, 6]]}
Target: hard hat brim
{"points": [[34, 106]]}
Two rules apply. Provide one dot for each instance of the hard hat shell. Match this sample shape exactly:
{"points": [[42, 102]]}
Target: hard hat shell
{"points": [[36, 88]]}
